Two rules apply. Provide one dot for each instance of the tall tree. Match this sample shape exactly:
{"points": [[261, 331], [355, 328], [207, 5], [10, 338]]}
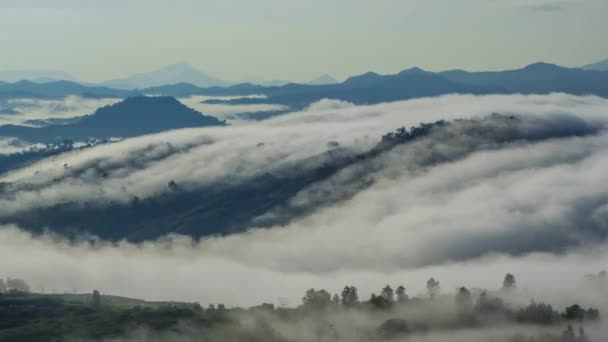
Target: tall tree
{"points": [[335, 299], [350, 297], [433, 287], [509, 283], [401, 295], [316, 299], [464, 300], [388, 294]]}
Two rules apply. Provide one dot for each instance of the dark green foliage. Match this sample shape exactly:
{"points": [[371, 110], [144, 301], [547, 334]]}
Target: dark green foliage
{"points": [[33, 318], [509, 283], [47, 317], [316, 299], [403, 135], [350, 297], [388, 294], [379, 302], [401, 295], [577, 313], [537, 313]]}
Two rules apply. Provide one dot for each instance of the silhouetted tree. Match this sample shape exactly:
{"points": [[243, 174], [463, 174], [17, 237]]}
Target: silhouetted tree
{"points": [[173, 186], [96, 299], [487, 305], [335, 299], [574, 313], [577, 313], [350, 297], [592, 314], [2, 286], [509, 283], [316, 299], [379, 302], [388, 294], [401, 295], [464, 300], [433, 288], [537, 313]]}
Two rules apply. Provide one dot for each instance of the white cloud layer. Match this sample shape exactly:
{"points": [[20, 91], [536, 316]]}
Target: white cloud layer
{"points": [[34, 109], [519, 199]]}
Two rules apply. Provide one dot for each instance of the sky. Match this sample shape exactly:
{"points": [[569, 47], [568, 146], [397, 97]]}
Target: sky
{"points": [[297, 40]]}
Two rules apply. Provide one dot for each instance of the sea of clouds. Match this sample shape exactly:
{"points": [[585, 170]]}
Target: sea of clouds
{"points": [[537, 209]]}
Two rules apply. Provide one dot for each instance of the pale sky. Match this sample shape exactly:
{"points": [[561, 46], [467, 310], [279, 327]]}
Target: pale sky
{"points": [[96, 40]]}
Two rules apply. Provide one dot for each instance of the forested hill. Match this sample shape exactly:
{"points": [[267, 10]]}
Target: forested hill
{"points": [[131, 117], [389, 315]]}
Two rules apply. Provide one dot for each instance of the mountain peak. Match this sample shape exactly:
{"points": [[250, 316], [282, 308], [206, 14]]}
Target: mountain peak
{"points": [[542, 66], [599, 66], [414, 70], [323, 79], [180, 72], [137, 115], [366, 77]]}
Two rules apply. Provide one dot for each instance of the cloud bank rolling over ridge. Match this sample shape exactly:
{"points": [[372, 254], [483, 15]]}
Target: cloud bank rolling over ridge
{"points": [[489, 207]]}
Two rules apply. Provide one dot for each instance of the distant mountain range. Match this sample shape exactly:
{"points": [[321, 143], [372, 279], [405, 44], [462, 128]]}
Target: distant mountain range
{"points": [[57, 89], [174, 73], [369, 88], [538, 78], [132, 117], [183, 73], [601, 66], [323, 79], [170, 74], [35, 75]]}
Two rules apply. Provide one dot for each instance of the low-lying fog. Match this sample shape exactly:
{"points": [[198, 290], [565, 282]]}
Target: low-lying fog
{"points": [[510, 204]]}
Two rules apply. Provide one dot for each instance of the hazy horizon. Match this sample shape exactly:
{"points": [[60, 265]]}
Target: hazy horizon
{"points": [[288, 40]]}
